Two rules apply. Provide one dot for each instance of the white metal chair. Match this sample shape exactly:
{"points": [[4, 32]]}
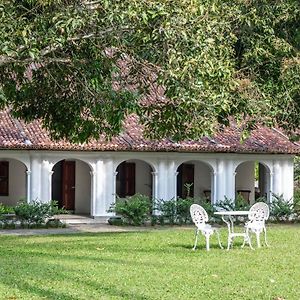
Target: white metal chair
{"points": [[259, 214], [200, 217]]}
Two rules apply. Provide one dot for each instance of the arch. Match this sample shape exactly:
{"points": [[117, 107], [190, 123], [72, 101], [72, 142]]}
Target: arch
{"points": [[252, 180], [182, 161], [54, 161], [134, 176], [119, 161], [71, 185], [14, 181], [195, 178]]}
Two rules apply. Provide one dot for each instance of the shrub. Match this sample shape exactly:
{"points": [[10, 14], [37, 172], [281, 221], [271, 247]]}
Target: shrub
{"points": [[178, 211], [281, 209], [239, 204], [167, 210], [135, 209], [183, 210], [35, 212], [4, 209]]}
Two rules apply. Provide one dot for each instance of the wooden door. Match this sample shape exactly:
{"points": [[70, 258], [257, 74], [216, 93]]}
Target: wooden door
{"points": [[126, 178], [68, 185], [4, 168]]}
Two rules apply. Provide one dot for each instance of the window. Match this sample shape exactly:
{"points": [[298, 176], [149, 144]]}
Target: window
{"points": [[3, 178]]}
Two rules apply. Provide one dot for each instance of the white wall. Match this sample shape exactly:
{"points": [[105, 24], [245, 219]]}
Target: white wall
{"points": [[82, 188], [17, 183]]}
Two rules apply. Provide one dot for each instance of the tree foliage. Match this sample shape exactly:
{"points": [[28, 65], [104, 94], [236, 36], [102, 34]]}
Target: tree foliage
{"points": [[83, 65]]}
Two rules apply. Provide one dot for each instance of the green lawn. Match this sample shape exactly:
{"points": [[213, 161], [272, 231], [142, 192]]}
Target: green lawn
{"points": [[156, 264]]}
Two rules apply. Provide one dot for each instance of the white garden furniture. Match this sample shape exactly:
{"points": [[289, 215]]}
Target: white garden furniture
{"points": [[200, 217], [228, 217], [258, 215]]}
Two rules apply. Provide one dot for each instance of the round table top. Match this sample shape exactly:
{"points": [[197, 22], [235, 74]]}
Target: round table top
{"points": [[233, 213]]}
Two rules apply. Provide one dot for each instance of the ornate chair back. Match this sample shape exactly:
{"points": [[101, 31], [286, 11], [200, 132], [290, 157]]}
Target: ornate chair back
{"points": [[199, 215], [259, 212]]}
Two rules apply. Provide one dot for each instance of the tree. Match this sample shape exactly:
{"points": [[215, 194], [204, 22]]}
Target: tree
{"points": [[83, 65]]}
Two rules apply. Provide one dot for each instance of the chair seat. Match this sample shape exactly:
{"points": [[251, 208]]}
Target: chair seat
{"points": [[207, 228], [254, 225]]}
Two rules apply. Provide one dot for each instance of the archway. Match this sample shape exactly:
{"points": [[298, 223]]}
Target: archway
{"points": [[195, 179], [13, 181], [252, 181], [134, 176], [71, 185]]}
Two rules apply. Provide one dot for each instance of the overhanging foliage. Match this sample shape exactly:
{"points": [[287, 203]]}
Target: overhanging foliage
{"points": [[82, 66]]}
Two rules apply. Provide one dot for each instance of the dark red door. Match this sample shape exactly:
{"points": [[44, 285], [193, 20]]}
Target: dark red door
{"points": [[126, 179], [68, 185]]}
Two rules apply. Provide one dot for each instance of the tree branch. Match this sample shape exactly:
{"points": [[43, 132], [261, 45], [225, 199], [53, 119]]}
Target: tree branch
{"points": [[6, 59]]}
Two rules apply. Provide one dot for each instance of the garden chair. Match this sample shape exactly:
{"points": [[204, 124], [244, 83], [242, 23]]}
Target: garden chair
{"points": [[200, 217], [258, 215]]}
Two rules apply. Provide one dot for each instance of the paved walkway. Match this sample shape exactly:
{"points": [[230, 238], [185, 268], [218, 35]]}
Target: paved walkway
{"points": [[74, 228]]}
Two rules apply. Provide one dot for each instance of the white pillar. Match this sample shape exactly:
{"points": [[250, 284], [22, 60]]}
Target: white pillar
{"points": [[35, 182], [48, 197], [220, 182], [175, 184], [154, 185], [214, 183], [276, 183], [93, 193], [271, 185], [28, 186], [105, 190]]}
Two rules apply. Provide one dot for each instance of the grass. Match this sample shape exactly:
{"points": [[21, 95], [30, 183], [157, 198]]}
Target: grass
{"points": [[155, 264]]}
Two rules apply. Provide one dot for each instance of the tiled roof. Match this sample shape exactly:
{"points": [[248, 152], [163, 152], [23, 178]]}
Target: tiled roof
{"points": [[15, 134]]}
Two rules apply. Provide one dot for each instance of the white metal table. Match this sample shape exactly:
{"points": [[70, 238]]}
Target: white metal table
{"points": [[227, 217]]}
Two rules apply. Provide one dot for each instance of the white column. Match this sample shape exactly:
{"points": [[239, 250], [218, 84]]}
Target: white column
{"points": [[220, 183], [154, 185], [269, 182], [104, 187], [28, 186], [175, 184], [93, 193], [35, 182], [214, 183], [276, 183], [48, 197]]}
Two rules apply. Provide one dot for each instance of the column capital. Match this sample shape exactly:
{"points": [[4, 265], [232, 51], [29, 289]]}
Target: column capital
{"points": [[28, 172], [92, 173], [154, 173]]}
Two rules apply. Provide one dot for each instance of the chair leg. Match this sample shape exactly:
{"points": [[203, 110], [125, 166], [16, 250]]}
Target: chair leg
{"points": [[247, 239], [196, 239], [218, 236], [207, 235], [258, 238], [265, 232]]}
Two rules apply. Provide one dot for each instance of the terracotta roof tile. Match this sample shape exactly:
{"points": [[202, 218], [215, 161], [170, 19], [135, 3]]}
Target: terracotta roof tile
{"points": [[15, 134]]}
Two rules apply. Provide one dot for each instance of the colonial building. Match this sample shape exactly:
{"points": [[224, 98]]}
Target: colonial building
{"points": [[86, 178]]}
